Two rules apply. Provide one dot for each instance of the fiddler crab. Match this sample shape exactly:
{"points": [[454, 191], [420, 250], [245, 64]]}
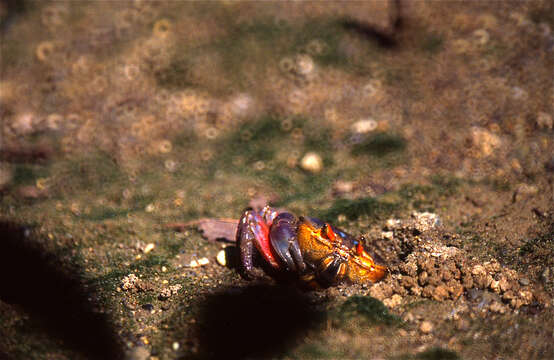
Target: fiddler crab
{"points": [[319, 254]]}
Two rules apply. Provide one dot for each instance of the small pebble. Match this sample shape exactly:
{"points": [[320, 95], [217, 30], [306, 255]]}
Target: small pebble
{"points": [[524, 281], [426, 327], [148, 307], [149, 247], [221, 258], [312, 162], [175, 346]]}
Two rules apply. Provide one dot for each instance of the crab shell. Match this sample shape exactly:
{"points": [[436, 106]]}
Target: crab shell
{"points": [[322, 244]]}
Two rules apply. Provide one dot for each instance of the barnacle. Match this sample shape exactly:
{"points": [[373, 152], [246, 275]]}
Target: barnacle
{"points": [[259, 165], [211, 133], [286, 64], [372, 88], [52, 16], [44, 51], [131, 71], [316, 47], [286, 124], [54, 121], [81, 66], [304, 65], [297, 135], [206, 155], [170, 165], [164, 146], [481, 36], [162, 28]]}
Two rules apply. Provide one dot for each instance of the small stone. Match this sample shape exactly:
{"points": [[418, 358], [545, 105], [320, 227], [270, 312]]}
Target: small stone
{"points": [[304, 65], [440, 293], [394, 301], [524, 281], [544, 120], [428, 291], [409, 268], [387, 235], [364, 126], [478, 270], [129, 282], [495, 286], [423, 278], [492, 266], [409, 317], [165, 293], [426, 327], [508, 295], [312, 162], [446, 275], [480, 281], [393, 223], [175, 288], [497, 307], [221, 258], [343, 187], [164, 269], [380, 291], [485, 141], [425, 221], [149, 247], [455, 289], [148, 307], [504, 284], [526, 296], [462, 324], [175, 346]]}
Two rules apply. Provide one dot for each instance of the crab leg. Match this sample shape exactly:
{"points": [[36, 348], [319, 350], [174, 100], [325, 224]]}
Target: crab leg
{"points": [[253, 231]]}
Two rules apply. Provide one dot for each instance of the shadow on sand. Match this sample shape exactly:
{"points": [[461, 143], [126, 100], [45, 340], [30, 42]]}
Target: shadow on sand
{"points": [[57, 304], [260, 321]]}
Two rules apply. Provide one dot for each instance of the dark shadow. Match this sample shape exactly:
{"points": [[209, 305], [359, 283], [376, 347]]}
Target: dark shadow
{"points": [[260, 321], [54, 299], [385, 37], [12, 8]]}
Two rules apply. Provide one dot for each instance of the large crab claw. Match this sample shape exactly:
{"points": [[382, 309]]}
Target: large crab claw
{"points": [[285, 244]]}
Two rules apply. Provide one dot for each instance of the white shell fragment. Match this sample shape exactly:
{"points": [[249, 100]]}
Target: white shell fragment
{"points": [[364, 126], [200, 262], [221, 258], [149, 247]]}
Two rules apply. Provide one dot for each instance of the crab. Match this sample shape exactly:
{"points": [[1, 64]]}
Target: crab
{"points": [[317, 253]]}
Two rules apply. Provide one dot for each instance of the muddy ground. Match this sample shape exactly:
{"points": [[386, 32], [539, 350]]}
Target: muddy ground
{"points": [[424, 126]]}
